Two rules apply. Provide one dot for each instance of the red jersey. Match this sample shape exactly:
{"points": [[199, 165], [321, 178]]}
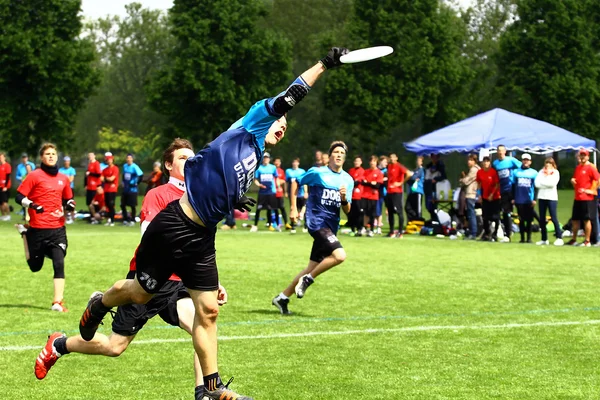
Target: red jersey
{"points": [[155, 201], [357, 175], [281, 176], [396, 173], [489, 182], [49, 192], [110, 171], [99, 198], [5, 171], [372, 175], [585, 175], [93, 178]]}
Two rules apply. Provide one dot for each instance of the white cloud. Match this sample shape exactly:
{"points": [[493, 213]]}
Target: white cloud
{"points": [[100, 8]]}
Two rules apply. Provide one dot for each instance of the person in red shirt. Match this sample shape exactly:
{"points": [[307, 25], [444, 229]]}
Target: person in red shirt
{"points": [[155, 179], [356, 218], [110, 177], [98, 206], [372, 180], [585, 182], [172, 303], [279, 194], [42, 193], [5, 171], [397, 174], [489, 183], [93, 178]]}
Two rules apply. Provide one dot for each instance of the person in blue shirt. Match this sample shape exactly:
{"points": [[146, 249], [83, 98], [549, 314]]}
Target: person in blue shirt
{"points": [[24, 168], [383, 163], [524, 178], [330, 189], [416, 192], [132, 175], [181, 239], [264, 178], [505, 166], [70, 172], [293, 175]]}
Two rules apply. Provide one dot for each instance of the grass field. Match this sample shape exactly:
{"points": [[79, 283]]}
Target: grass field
{"points": [[418, 318]]}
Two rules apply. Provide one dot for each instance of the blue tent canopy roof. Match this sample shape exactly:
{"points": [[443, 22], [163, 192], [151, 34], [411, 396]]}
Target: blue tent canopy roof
{"points": [[493, 128]]}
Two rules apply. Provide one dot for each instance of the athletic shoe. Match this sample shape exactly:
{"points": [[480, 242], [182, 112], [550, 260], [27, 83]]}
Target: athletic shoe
{"points": [[288, 227], [109, 223], [505, 239], [370, 234], [282, 305], [224, 393], [585, 244], [47, 357], [303, 284], [304, 230], [59, 306], [571, 242], [543, 243], [21, 229], [271, 229], [89, 322], [399, 235], [254, 228], [293, 231], [392, 235], [559, 242], [94, 222], [378, 232]]}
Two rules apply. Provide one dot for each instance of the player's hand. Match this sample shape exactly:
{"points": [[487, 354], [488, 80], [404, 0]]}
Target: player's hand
{"points": [[70, 205], [4, 189], [245, 203], [38, 209], [533, 203], [343, 192], [221, 295], [573, 181], [293, 213], [332, 59]]}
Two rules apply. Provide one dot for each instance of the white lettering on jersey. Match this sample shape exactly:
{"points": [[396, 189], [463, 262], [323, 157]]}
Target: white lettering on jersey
{"points": [[245, 173], [330, 197], [504, 173], [524, 182]]}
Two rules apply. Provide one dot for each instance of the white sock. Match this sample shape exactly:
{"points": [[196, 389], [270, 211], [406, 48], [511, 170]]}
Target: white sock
{"points": [[283, 296], [310, 277]]}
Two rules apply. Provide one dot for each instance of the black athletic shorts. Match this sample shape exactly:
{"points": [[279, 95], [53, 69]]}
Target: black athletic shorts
{"points": [[131, 318], [89, 196], [4, 196], [300, 203], [279, 202], [491, 209], [393, 201], [370, 207], [129, 200], [506, 202], [584, 210], [40, 242], [266, 202], [173, 243], [526, 211], [110, 199], [325, 242]]}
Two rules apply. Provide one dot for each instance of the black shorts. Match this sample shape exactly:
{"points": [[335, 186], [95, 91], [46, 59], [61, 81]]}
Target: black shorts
{"points": [[359, 204], [526, 211], [129, 200], [584, 210], [110, 199], [89, 196], [131, 318], [393, 201], [325, 242], [370, 207], [300, 203], [266, 202], [41, 242], [173, 243], [491, 209], [279, 202], [506, 202], [4, 196]]}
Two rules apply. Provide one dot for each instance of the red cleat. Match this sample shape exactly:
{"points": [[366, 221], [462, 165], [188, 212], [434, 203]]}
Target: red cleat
{"points": [[48, 356]]}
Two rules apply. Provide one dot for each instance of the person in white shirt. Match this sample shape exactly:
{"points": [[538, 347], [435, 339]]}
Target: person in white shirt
{"points": [[546, 183]]}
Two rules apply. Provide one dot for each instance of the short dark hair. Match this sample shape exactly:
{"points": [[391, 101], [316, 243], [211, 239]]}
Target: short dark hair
{"points": [[337, 143], [45, 147], [473, 157], [374, 158], [486, 158], [296, 159], [500, 145], [277, 158]]}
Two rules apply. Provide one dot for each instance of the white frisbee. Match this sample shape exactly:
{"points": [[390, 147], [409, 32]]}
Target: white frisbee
{"points": [[366, 54]]}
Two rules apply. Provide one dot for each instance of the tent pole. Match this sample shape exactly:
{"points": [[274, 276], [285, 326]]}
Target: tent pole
{"points": [[595, 158]]}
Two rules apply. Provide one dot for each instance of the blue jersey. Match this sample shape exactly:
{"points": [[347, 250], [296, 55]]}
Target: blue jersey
{"points": [[324, 200], [417, 186], [68, 172], [505, 169], [266, 175], [292, 175], [383, 186], [525, 185], [131, 176]]}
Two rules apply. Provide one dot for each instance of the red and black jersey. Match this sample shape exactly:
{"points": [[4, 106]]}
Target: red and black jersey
{"points": [[5, 171], [108, 172], [93, 178], [99, 200], [357, 175], [48, 191], [281, 177], [396, 173], [372, 175], [489, 182]]}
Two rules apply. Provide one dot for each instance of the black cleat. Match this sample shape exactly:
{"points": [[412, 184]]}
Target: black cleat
{"points": [[303, 284], [282, 305], [224, 393], [89, 322]]}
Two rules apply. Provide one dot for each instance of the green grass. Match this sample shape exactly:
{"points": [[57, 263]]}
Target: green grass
{"points": [[425, 318]]}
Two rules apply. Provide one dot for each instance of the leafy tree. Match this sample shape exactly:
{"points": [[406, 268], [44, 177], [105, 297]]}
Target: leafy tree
{"points": [[121, 143], [46, 74]]}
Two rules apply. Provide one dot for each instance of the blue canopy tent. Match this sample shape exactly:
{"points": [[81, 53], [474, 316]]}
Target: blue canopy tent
{"points": [[496, 127]]}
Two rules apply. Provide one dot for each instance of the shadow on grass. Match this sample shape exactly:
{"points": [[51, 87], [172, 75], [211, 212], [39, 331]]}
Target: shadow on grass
{"points": [[23, 306], [275, 313]]}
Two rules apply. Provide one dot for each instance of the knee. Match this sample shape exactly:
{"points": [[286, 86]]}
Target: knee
{"points": [[207, 313], [116, 350], [35, 263], [339, 255]]}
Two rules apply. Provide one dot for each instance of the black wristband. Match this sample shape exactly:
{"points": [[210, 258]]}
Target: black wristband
{"points": [[345, 202]]}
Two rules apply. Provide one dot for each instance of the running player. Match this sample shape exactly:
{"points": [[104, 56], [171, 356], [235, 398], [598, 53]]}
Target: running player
{"points": [[42, 193], [292, 175], [328, 187], [181, 239]]}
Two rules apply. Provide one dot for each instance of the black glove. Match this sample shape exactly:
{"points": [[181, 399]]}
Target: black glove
{"points": [[38, 209], [332, 59], [245, 203], [70, 206]]}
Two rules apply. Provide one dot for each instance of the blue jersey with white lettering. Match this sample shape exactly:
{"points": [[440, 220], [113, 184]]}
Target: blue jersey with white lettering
{"points": [[324, 200], [131, 176], [292, 175], [266, 175], [505, 169], [525, 185]]}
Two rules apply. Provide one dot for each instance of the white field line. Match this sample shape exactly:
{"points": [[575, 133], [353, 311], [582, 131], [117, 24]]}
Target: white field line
{"points": [[351, 332]]}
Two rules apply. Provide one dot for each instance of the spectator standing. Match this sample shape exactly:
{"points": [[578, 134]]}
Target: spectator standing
{"points": [[383, 163], [318, 159], [110, 176], [546, 182], [396, 174], [279, 194], [155, 179], [489, 183], [525, 196], [416, 192], [93, 177], [356, 217], [585, 182], [372, 180], [435, 172], [70, 173], [264, 178], [5, 171], [469, 186], [24, 167], [324, 160], [129, 197], [293, 175], [505, 166]]}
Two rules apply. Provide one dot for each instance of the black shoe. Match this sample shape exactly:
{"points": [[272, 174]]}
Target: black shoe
{"points": [[89, 322], [282, 305], [302, 285], [224, 392]]}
